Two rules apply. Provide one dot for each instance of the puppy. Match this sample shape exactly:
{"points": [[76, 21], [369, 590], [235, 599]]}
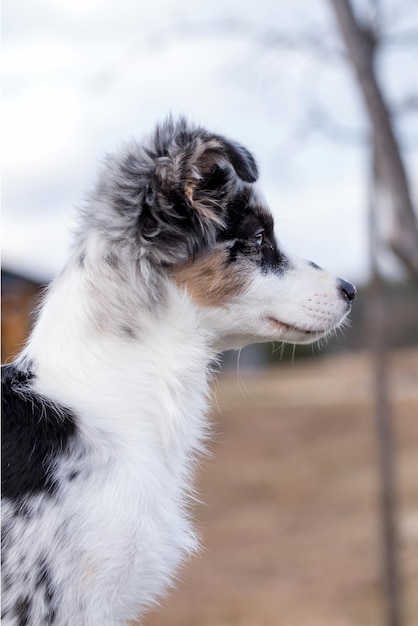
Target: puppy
{"points": [[175, 259]]}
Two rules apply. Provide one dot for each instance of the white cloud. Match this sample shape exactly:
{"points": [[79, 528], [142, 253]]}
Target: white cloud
{"points": [[40, 123]]}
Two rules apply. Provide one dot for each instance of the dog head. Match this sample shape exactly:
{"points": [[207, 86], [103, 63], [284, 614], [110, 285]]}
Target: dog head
{"points": [[184, 205], [167, 199]]}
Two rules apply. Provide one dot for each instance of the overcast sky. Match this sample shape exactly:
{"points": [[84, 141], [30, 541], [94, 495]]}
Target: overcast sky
{"points": [[82, 76]]}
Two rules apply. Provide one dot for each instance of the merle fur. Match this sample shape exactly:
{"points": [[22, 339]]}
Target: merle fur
{"points": [[140, 201]]}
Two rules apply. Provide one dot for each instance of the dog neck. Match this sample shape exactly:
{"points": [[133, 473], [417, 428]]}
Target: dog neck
{"points": [[148, 379]]}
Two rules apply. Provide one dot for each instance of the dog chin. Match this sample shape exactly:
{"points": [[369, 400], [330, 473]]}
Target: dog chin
{"points": [[289, 333]]}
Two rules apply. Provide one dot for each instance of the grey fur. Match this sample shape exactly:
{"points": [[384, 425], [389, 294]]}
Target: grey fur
{"points": [[161, 200]]}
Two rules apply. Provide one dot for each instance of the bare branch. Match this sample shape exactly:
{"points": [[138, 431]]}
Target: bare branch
{"points": [[404, 238], [403, 38], [263, 35], [260, 34]]}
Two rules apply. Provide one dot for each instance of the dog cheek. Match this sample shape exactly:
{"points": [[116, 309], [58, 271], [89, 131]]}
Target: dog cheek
{"points": [[212, 281]]}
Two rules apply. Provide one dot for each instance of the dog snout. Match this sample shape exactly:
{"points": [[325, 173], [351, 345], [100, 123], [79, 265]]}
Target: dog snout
{"points": [[347, 290]]}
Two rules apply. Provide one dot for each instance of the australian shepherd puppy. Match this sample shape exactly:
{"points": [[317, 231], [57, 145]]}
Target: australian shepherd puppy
{"points": [[175, 259]]}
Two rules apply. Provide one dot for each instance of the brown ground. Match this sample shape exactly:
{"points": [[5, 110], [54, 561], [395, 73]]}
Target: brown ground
{"points": [[290, 523]]}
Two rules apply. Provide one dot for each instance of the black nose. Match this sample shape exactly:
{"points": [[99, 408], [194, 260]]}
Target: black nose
{"points": [[347, 289]]}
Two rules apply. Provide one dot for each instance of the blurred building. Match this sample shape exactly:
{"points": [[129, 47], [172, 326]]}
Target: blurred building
{"points": [[20, 295]]}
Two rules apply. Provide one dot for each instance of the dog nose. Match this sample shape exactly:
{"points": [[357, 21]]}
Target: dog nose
{"points": [[347, 289]]}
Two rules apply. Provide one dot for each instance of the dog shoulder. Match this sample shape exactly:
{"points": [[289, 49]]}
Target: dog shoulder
{"points": [[35, 432]]}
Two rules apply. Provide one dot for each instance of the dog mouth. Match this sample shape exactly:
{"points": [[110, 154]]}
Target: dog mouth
{"points": [[291, 328]]}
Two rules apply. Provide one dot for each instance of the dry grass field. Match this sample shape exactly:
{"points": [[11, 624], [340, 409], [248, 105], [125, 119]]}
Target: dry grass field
{"points": [[290, 522]]}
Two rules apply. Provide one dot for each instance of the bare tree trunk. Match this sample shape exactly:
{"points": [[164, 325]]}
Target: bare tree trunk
{"points": [[383, 417], [404, 235]]}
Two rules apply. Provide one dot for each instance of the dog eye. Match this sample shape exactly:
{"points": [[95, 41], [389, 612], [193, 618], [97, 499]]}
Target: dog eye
{"points": [[259, 237]]}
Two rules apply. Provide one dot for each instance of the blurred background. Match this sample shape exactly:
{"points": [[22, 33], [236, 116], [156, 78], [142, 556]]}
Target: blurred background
{"points": [[311, 497]]}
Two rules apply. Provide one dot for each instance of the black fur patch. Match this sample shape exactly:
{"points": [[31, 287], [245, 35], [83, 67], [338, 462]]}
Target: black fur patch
{"points": [[44, 585], [34, 434], [22, 611], [244, 220], [314, 265]]}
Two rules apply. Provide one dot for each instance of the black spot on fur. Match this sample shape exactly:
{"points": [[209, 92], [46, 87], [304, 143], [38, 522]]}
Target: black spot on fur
{"points": [[34, 433], [61, 534], [22, 611], [314, 265], [6, 576], [112, 260], [23, 509], [81, 259], [44, 585]]}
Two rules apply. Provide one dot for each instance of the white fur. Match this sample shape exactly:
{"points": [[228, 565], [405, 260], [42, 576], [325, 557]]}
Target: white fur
{"points": [[141, 416], [140, 406], [108, 401]]}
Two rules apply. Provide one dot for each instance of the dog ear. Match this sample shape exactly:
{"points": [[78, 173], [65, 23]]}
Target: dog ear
{"points": [[171, 195], [241, 159]]}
